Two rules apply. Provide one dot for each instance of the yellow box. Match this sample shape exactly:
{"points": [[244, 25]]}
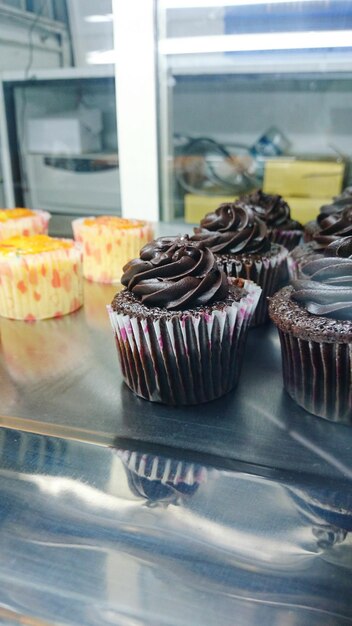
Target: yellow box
{"points": [[197, 206], [305, 209], [292, 177]]}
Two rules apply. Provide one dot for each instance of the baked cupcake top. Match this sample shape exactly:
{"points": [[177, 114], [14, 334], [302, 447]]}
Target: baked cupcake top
{"points": [[175, 274], [272, 209], [21, 245], [15, 214], [233, 228], [113, 222]]}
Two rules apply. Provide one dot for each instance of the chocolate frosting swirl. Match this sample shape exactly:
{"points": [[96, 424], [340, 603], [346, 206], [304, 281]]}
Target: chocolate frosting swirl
{"points": [[235, 228], [338, 206], [341, 248], [272, 209], [175, 273], [326, 287], [332, 227]]}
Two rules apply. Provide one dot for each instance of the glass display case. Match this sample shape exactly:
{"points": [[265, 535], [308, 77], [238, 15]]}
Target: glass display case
{"points": [[253, 94]]}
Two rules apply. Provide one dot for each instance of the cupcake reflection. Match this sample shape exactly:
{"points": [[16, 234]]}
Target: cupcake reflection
{"points": [[96, 298], [157, 478], [35, 352]]}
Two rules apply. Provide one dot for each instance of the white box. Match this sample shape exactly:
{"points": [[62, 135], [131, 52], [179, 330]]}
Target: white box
{"points": [[71, 132], [78, 192]]}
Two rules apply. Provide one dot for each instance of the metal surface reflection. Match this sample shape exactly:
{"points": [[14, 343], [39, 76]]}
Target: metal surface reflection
{"points": [[82, 543], [62, 377], [42, 351]]}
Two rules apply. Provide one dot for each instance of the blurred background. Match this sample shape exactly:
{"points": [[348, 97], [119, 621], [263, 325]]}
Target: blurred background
{"points": [[165, 108]]}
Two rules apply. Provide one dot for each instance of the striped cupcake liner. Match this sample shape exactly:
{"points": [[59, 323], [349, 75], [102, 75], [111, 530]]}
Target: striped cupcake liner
{"points": [[318, 376], [158, 478], [287, 238], [270, 273], [165, 470], [184, 359]]}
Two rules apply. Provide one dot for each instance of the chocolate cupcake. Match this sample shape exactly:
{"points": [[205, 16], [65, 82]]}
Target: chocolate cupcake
{"points": [[338, 205], [276, 213], [181, 325], [314, 320], [330, 229], [238, 237]]}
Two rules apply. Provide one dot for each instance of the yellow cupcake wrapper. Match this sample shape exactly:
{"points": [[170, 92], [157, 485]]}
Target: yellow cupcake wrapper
{"points": [[43, 285], [106, 250]]}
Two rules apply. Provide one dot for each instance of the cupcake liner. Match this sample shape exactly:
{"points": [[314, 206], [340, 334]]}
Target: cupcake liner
{"points": [[318, 376], [269, 272], [106, 250], [161, 478], [287, 238], [42, 285], [184, 358], [164, 469], [36, 224]]}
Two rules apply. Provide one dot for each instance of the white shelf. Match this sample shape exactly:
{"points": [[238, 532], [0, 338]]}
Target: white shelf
{"points": [[233, 63], [64, 73]]}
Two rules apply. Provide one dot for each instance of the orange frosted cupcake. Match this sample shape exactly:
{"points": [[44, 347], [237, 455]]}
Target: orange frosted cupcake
{"points": [[108, 243], [40, 277], [23, 222]]}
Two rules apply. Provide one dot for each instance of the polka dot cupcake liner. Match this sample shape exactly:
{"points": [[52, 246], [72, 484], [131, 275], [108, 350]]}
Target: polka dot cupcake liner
{"points": [[41, 285], [106, 249], [35, 224]]}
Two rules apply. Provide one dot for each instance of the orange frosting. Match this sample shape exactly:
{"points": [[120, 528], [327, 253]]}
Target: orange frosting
{"points": [[113, 221], [34, 244], [14, 214]]}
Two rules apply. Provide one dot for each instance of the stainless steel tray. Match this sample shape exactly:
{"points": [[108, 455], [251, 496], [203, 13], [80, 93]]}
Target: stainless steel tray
{"points": [[234, 512], [61, 377]]}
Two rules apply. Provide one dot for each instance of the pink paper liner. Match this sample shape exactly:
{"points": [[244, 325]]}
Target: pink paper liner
{"points": [[318, 376], [287, 238], [186, 359], [270, 273]]}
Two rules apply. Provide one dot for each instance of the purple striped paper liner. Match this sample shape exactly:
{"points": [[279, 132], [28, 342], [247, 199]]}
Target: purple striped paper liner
{"points": [[166, 470], [318, 376], [287, 238], [270, 273], [183, 358]]}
